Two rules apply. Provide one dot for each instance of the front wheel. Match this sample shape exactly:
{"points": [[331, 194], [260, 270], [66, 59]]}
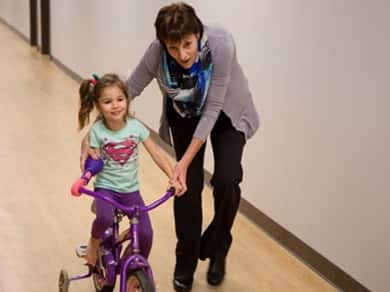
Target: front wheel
{"points": [[138, 281]]}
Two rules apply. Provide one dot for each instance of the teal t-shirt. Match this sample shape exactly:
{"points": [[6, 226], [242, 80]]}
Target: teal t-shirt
{"points": [[119, 151]]}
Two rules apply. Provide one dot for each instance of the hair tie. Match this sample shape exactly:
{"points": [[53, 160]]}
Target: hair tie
{"points": [[94, 78]]}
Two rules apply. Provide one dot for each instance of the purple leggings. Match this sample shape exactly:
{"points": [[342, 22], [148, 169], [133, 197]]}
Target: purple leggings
{"points": [[105, 213]]}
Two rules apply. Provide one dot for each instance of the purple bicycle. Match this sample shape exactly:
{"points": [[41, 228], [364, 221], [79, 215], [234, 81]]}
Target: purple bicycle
{"points": [[118, 254]]}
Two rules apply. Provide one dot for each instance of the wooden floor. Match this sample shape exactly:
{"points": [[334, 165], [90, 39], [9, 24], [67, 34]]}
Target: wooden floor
{"points": [[41, 223]]}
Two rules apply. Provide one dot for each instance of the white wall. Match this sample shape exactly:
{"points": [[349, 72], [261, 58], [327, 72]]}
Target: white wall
{"points": [[17, 14], [319, 72]]}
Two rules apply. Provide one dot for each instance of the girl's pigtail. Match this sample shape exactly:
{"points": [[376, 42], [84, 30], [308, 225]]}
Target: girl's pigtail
{"points": [[87, 100]]}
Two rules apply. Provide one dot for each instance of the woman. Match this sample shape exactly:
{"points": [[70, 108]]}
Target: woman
{"points": [[204, 93]]}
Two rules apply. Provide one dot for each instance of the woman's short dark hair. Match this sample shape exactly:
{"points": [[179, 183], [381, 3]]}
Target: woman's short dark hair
{"points": [[175, 21]]}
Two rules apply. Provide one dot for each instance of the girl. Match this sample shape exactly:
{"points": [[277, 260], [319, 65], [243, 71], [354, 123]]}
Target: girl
{"points": [[116, 137]]}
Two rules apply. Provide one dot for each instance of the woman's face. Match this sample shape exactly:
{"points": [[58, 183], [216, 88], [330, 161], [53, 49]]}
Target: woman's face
{"points": [[185, 51]]}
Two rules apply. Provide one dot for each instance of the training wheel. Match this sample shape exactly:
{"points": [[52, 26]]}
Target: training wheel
{"points": [[63, 281]]}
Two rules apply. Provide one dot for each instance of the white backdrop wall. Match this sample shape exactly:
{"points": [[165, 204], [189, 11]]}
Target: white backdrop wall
{"points": [[17, 14], [319, 72]]}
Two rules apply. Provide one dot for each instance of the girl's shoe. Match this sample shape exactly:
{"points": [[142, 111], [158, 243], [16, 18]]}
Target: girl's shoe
{"points": [[81, 250]]}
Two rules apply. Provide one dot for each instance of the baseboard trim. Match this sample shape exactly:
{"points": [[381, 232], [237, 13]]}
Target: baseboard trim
{"points": [[22, 36], [326, 269], [76, 77], [329, 271]]}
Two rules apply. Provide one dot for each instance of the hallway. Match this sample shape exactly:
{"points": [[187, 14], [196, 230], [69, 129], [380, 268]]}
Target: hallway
{"points": [[41, 223]]}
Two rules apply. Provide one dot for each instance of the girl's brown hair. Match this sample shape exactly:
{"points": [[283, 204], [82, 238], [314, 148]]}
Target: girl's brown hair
{"points": [[90, 91], [176, 21]]}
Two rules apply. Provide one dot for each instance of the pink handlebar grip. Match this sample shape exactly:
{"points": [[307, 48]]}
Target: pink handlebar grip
{"points": [[92, 167], [75, 190]]}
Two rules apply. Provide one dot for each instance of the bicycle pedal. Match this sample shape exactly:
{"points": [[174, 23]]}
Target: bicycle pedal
{"points": [[81, 250]]}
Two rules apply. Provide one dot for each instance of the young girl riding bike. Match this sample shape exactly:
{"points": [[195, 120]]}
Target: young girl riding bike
{"points": [[116, 137]]}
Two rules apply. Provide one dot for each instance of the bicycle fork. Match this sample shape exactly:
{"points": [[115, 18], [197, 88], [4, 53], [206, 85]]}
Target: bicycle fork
{"points": [[135, 261]]}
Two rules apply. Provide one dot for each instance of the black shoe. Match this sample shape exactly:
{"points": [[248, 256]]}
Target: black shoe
{"points": [[181, 286], [216, 272]]}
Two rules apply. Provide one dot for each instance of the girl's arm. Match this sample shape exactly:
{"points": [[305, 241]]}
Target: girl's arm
{"points": [[162, 162]]}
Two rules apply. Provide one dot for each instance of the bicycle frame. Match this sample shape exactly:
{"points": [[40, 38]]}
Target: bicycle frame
{"points": [[135, 260], [114, 264]]}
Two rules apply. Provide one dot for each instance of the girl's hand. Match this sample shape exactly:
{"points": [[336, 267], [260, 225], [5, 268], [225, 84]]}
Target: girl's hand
{"points": [[178, 187], [87, 151], [93, 152]]}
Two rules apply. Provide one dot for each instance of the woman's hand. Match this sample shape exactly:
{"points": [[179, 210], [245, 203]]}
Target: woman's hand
{"points": [[180, 175], [180, 170]]}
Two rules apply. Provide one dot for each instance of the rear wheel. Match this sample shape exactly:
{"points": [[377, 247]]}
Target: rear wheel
{"points": [[63, 281], [138, 281], [99, 277]]}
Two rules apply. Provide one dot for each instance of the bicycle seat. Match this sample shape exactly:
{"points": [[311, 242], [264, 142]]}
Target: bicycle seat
{"points": [[118, 212]]}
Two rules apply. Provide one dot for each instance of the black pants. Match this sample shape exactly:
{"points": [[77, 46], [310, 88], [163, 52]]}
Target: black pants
{"points": [[227, 144]]}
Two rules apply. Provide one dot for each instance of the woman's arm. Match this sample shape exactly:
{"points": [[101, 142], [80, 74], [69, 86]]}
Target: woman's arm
{"points": [[180, 171], [162, 162], [145, 71], [223, 55]]}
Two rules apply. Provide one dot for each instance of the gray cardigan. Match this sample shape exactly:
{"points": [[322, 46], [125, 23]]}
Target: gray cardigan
{"points": [[228, 91]]}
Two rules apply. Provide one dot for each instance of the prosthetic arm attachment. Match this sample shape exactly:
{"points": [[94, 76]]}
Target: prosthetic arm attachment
{"points": [[92, 167]]}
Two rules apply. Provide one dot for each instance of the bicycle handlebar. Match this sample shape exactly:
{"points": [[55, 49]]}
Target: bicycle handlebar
{"points": [[170, 192], [92, 167]]}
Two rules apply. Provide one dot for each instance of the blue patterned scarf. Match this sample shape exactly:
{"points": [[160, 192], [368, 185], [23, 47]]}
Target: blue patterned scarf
{"points": [[188, 87]]}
